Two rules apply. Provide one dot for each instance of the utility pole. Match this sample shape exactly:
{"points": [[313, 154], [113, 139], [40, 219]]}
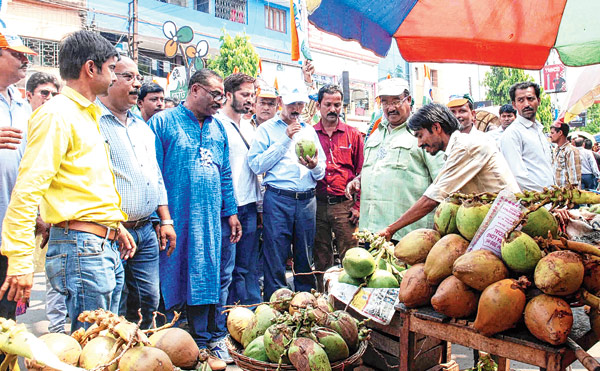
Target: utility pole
{"points": [[133, 30]]}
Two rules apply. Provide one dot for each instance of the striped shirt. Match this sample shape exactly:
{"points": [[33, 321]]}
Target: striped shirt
{"points": [[567, 165], [133, 157]]}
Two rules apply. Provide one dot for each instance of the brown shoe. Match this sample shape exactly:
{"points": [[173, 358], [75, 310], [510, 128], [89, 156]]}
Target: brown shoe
{"points": [[213, 362]]}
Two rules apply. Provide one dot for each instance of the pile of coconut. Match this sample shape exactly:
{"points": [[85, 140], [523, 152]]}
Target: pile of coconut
{"points": [[300, 329], [112, 343], [537, 277]]}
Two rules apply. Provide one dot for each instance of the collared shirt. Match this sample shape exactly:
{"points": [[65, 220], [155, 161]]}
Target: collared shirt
{"points": [[528, 154], [395, 174], [567, 165], [133, 157], [472, 166], [588, 162], [274, 153], [344, 152], [66, 170], [14, 114], [245, 182]]}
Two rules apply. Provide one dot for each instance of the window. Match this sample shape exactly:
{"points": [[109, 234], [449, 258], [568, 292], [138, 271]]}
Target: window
{"points": [[434, 77], [417, 73], [47, 52], [275, 19], [202, 5], [175, 2], [232, 10]]}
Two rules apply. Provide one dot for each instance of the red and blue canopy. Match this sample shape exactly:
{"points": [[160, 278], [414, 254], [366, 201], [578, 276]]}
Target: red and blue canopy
{"points": [[513, 33]]}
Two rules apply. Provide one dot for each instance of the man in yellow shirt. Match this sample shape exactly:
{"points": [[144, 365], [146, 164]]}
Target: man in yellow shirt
{"points": [[66, 171]]}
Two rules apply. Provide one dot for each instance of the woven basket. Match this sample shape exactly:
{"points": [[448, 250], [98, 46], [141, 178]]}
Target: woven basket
{"points": [[246, 363]]}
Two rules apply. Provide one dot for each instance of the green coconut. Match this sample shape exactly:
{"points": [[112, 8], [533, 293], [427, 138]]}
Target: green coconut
{"points": [[444, 219], [469, 217], [381, 279], [539, 223], [335, 346], [256, 350], [414, 247], [347, 279], [358, 263], [277, 339], [259, 324], [305, 147], [307, 355], [520, 252]]}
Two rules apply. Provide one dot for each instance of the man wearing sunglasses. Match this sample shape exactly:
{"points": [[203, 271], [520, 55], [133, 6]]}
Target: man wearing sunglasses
{"points": [[395, 170], [193, 153], [14, 113], [40, 87]]}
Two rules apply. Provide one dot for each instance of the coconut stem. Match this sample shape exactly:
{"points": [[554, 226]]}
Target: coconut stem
{"points": [[592, 300], [128, 346], [165, 326], [575, 246]]}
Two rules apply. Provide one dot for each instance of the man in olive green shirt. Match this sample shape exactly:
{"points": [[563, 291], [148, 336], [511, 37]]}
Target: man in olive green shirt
{"points": [[395, 171]]}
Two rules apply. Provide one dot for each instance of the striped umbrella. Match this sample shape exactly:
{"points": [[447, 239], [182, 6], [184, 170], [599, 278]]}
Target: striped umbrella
{"points": [[492, 32]]}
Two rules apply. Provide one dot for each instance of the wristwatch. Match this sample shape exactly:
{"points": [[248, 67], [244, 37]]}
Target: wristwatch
{"points": [[166, 222]]}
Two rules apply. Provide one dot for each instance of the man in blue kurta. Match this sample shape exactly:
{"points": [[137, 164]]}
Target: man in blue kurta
{"points": [[191, 149]]}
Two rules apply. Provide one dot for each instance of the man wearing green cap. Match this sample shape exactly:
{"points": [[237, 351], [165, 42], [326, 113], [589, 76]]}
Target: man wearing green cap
{"points": [[463, 109]]}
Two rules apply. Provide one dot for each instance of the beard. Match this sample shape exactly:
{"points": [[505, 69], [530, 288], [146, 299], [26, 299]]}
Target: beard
{"points": [[238, 107]]}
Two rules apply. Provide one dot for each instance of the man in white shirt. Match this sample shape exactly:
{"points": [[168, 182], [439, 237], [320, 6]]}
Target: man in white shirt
{"points": [[589, 168], [524, 144], [508, 114], [240, 92]]}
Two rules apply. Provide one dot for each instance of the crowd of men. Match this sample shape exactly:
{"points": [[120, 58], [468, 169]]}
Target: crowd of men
{"points": [[186, 208]]}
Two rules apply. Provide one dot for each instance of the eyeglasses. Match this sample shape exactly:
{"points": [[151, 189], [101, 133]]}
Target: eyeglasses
{"points": [[394, 103], [18, 55], [45, 93], [217, 96], [128, 76]]}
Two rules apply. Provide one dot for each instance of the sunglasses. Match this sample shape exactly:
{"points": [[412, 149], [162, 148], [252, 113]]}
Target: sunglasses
{"points": [[45, 93], [128, 76]]}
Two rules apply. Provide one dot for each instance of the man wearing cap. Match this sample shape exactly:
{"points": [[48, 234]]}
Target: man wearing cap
{"points": [[508, 114], [565, 158], [289, 205], [13, 133], [266, 104], [463, 109], [343, 146], [524, 144], [472, 165], [151, 100], [66, 170], [395, 170]]}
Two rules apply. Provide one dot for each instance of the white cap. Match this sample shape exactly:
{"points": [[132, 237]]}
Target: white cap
{"points": [[393, 87], [293, 93]]}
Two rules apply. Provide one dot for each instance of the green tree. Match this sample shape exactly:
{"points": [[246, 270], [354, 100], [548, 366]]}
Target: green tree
{"points": [[592, 120], [235, 52], [498, 82]]}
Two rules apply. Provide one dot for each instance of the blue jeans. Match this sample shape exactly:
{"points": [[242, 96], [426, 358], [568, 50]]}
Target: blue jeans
{"points": [[142, 276], [86, 269], [207, 322], [56, 309], [286, 221], [244, 287], [589, 182]]}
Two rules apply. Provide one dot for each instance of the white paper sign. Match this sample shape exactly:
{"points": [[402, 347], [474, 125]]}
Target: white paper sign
{"points": [[504, 212]]}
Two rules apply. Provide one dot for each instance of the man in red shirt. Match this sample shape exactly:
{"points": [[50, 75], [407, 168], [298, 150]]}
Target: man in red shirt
{"points": [[343, 146]]}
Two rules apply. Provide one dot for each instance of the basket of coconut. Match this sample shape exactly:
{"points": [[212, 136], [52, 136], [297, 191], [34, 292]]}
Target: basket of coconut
{"points": [[535, 278], [295, 331]]}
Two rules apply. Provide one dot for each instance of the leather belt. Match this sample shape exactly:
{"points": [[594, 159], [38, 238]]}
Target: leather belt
{"points": [[89, 227], [332, 199], [134, 224], [303, 195]]}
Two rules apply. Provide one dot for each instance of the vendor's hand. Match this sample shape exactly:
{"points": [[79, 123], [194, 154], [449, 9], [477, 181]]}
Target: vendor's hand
{"points": [[352, 188], [293, 129], [43, 229], [562, 216], [386, 233], [310, 162], [18, 287], [127, 245], [10, 137], [167, 233], [354, 215], [236, 229]]}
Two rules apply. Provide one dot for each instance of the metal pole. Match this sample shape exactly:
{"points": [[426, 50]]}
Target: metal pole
{"points": [[134, 46]]}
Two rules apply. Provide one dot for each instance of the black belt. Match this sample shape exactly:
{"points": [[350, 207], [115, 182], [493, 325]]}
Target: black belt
{"points": [[135, 224], [332, 199], [304, 195]]}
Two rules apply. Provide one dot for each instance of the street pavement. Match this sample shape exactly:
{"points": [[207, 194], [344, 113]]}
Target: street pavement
{"points": [[36, 322]]}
